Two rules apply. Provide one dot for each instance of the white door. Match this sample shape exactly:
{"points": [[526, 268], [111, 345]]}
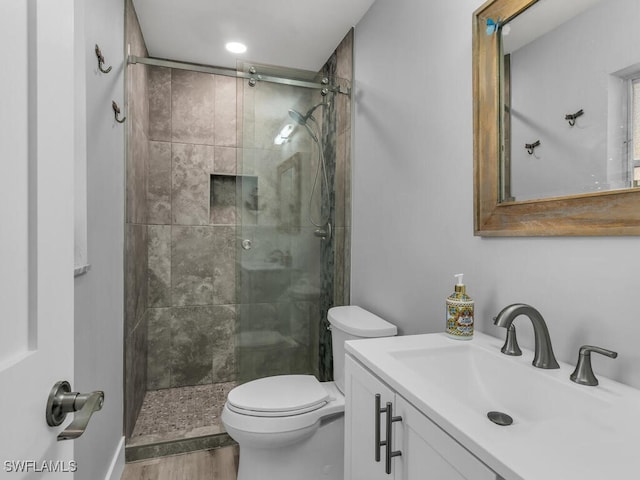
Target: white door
{"points": [[36, 230]]}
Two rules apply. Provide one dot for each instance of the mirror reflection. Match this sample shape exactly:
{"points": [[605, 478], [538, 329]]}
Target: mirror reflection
{"points": [[570, 97], [289, 200]]}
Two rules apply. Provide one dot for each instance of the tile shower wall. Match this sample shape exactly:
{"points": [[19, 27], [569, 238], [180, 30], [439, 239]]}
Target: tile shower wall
{"points": [[136, 237], [335, 254], [182, 225], [195, 135], [191, 242]]}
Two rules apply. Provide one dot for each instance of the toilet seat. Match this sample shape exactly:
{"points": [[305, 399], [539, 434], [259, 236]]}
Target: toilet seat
{"points": [[237, 419], [278, 396]]}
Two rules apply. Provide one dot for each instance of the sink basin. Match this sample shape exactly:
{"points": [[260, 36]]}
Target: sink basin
{"points": [[560, 429], [495, 382]]}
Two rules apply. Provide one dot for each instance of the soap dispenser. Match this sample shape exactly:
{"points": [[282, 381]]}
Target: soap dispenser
{"points": [[460, 312]]}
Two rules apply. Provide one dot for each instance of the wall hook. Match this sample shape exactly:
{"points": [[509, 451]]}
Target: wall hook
{"points": [[116, 111], [101, 61], [571, 118], [531, 146]]}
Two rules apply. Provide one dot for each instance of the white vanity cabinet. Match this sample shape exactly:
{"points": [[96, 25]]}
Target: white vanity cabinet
{"points": [[361, 389], [426, 452]]}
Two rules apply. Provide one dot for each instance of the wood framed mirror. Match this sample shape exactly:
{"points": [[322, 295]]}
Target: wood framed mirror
{"points": [[496, 211]]}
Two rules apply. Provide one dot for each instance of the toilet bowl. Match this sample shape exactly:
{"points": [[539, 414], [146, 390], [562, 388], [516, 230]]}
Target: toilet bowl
{"points": [[291, 427]]}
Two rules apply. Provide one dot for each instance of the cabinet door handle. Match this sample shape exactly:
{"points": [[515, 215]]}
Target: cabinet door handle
{"points": [[390, 453], [377, 428]]}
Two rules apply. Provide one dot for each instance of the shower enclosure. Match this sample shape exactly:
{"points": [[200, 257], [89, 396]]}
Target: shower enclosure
{"points": [[283, 265], [228, 278]]}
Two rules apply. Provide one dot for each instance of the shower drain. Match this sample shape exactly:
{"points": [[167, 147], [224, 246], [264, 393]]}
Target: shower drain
{"points": [[500, 418]]}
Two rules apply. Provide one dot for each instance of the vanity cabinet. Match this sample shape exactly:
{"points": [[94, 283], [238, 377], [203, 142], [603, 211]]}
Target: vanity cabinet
{"points": [[361, 389], [423, 451]]}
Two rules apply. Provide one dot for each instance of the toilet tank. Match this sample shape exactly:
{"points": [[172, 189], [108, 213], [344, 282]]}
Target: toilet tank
{"points": [[351, 323]]}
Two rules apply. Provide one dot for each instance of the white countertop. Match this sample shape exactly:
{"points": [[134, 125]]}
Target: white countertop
{"points": [[599, 439]]}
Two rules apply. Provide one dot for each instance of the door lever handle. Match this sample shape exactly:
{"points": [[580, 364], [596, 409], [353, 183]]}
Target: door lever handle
{"points": [[62, 401]]}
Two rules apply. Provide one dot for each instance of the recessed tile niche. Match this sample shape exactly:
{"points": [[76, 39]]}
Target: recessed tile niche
{"points": [[228, 192]]}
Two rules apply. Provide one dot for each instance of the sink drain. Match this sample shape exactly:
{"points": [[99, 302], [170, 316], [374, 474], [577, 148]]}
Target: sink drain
{"points": [[500, 418]]}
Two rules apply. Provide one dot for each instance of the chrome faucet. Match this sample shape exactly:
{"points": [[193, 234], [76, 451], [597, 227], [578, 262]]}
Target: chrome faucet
{"points": [[544, 357]]}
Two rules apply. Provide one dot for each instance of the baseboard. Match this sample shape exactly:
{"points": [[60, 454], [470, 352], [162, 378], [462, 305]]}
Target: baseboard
{"points": [[117, 463]]}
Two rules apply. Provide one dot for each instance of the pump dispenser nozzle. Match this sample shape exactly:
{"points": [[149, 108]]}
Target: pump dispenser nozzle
{"points": [[459, 286]]}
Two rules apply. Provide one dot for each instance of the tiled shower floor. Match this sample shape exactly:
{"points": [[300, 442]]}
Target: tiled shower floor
{"points": [[183, 412]]}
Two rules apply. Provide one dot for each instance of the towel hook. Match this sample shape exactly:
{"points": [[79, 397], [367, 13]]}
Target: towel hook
{"points": [[116, 111], [531, 146], [571, 118], [101, 60]]}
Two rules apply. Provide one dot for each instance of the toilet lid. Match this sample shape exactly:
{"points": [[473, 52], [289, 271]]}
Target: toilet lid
{"points": [[281, 395]]}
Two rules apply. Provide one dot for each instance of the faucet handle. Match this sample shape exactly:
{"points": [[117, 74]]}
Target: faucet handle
{"points": [[510, 346], [583, 374]]}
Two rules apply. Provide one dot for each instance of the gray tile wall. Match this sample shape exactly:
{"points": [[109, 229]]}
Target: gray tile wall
{"points": [[191, 247], [136, 217], [344, 70], [335, 254]]}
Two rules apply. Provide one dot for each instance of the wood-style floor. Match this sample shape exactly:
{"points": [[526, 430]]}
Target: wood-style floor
{"points": [[218, 464]]}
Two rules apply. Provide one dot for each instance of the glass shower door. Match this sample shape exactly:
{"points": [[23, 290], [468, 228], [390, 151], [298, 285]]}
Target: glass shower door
{"points": [[279, 257]]}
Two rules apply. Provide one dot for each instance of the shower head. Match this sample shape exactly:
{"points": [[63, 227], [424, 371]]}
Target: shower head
{"points": [[302, 119], [297, 116]]}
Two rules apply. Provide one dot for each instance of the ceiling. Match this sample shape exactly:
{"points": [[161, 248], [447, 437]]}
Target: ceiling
{"points": [[289, 33]]}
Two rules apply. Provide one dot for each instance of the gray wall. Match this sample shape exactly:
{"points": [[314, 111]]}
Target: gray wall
{"points": [[98, 294], [413, 204]]}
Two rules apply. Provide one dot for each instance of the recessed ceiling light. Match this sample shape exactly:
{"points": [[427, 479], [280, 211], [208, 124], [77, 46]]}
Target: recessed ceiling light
{"points": [[236, 47]]}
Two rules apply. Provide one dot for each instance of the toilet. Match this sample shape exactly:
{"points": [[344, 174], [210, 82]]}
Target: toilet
{"points": [[291, 427]]}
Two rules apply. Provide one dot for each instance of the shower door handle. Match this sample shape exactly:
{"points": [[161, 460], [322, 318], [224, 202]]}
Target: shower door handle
{"points": [[246, 244], [62, 401]]}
